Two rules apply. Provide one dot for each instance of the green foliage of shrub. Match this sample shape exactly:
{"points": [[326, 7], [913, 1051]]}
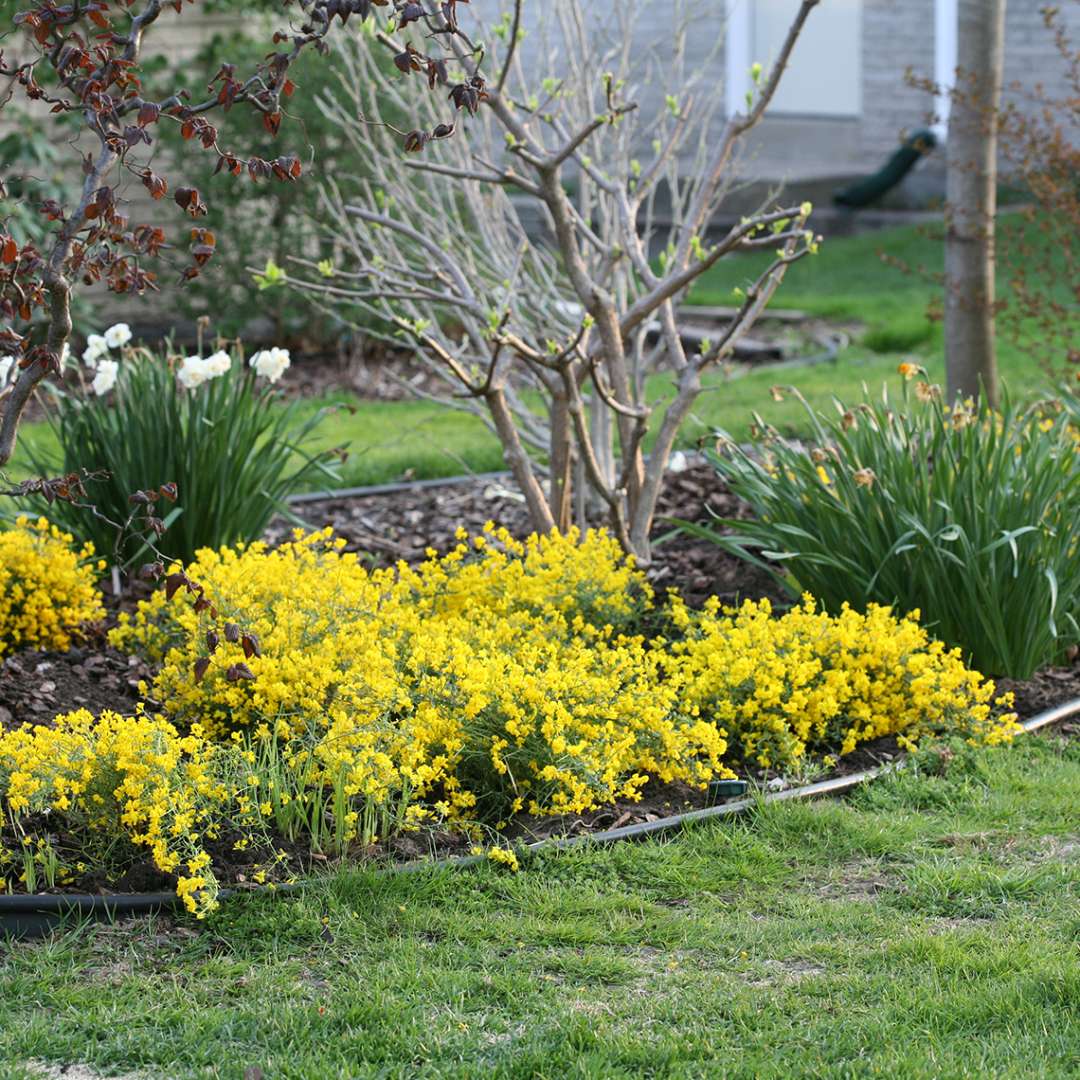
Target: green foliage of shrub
{"points": [[234, 452], [967, 515], [900, 334]]}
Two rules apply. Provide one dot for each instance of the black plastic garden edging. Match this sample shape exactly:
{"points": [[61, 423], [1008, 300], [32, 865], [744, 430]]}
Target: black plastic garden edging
{"points": [[391, 489], [27, 917]]}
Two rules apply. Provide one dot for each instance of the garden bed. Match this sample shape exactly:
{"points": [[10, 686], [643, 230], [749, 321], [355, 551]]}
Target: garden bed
{"points": [[562, 597]]}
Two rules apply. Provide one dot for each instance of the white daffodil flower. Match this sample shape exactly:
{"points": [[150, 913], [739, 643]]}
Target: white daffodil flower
{"points": [[270, 364], [96, 348], [118, 335], [217, 364], [192, 372], [105, 378]]}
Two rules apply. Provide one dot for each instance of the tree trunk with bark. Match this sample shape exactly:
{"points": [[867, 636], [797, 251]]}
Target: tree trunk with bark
{"points": [[971, 198]]}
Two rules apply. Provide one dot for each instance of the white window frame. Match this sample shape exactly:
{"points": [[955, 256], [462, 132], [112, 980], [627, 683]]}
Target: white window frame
{"points": [[737, 58]]}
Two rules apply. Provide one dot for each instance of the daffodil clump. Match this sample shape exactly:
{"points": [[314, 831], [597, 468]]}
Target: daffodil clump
{"points": [[966, 513], [807, 683], [47, 587]]}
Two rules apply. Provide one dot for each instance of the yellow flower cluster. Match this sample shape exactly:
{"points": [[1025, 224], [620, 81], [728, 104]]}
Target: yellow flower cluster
{"points": [[47, 587], [116, 781], [494, 679], [576, 576], [807, 682], [501, 856]]}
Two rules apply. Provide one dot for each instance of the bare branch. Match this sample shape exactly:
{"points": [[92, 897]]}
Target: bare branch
{"points": [[564, 321], [511, 49]]}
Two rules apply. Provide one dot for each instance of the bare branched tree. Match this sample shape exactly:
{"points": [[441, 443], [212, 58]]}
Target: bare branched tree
{"points": [[619, 153]]}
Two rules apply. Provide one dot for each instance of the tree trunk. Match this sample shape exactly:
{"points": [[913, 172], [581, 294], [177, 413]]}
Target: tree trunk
{"points": [[971, 202], [561, 458], [518, 461]]}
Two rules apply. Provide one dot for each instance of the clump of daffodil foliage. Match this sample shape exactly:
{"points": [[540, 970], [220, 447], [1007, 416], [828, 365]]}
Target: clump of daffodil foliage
{"points": [[48, 587], [311, 700]]}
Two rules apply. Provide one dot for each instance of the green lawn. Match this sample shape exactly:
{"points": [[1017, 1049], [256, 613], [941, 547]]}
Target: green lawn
{"points": [[926, 927], [847, 281]]}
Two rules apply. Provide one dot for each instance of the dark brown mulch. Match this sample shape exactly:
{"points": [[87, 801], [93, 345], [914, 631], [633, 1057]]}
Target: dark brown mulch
{"points": [[1043, 690], [403, 524], [695, 567], [36, 686]]}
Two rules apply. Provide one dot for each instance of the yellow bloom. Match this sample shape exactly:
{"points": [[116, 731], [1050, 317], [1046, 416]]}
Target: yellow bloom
{"points": [[504, 857], [48, 587], [807, 681]]}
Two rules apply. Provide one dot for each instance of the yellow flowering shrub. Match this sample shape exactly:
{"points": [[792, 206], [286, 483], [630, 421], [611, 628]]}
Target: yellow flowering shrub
{"points": [[553, 715], [314, 610], [807, 682], [309, 700], [47, 587], [573, 575], [117, 783], [487, 681]]}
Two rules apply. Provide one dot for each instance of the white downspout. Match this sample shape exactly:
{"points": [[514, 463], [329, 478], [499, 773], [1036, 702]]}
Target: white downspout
{"points": [[737, 59], [945, 30]]}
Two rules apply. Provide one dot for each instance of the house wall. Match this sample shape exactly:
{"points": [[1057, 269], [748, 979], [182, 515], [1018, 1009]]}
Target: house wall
{"points": [[1030, 56], [896, 35]]}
